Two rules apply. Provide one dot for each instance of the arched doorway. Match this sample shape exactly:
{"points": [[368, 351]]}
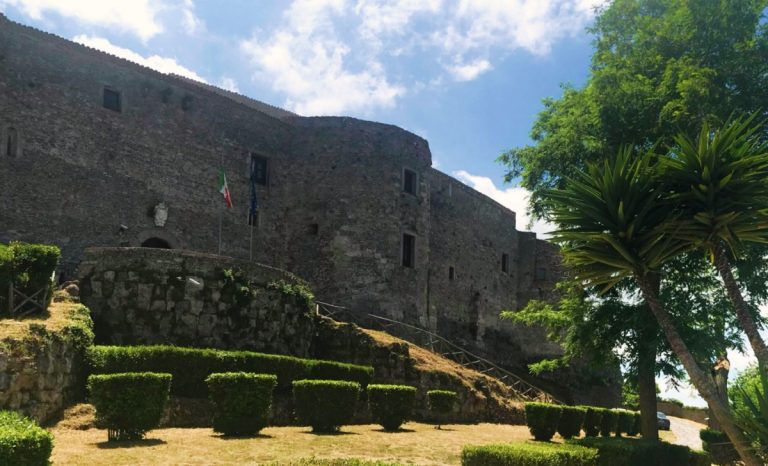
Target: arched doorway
{"points": [[155, 242]]}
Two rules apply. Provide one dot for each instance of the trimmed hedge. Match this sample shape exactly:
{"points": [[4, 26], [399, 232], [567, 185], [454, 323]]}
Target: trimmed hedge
{"points": [[571, 421], [391, 405], [241, 401], [528, 454], [129, 404], [23, 442], [635, 452], [636, 424], [28, 266], [191, 366], [608, 422], [542, 419], [719, 446], [441, 403], [592, 420], [326, 405], [624, 422]]}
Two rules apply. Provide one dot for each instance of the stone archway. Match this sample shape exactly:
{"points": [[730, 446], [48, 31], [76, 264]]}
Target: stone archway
{"points": [[155, 242]]}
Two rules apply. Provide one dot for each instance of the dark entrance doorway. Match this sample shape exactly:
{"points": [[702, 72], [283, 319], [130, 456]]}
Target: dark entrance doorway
{"points": [[155, 242]]}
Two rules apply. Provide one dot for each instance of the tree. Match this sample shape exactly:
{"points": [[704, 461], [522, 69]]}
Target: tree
{"points": [[610, 223], [720, 192]]}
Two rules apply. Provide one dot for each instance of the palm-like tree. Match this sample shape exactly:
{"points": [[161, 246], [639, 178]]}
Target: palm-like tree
{"points": [[719, 186], [609, 220]]}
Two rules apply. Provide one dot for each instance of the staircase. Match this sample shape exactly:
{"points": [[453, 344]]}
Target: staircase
{"points": [[437, 344]]}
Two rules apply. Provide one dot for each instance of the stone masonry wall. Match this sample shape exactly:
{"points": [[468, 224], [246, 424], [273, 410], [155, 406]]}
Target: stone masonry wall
{"points": [[158, 296], [41, 366]]}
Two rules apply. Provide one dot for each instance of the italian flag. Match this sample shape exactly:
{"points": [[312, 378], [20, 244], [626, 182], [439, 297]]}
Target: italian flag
{"points": [[224, 188]]}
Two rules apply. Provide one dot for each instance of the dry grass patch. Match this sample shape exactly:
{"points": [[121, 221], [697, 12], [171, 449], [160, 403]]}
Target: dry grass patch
{"points": [[417, 444], [54, 319]]}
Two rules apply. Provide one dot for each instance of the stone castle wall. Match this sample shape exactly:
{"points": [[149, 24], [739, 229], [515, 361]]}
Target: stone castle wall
{"points": [[158, 296], [333, 209]]}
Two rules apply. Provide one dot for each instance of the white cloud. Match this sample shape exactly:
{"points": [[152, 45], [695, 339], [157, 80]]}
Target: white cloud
{"points": [[138, 17], [229, 84], [156, 62], [515, 199], [468, 72], [307, 61], [189, 20]]}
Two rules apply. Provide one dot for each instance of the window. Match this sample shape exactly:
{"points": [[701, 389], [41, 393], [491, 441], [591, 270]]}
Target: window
{"points": [[112, 99], [505, 263], [410, 181], [409, 250], [12, 142], [451, 273], [541, 273], [258, 169], [313, 229]]}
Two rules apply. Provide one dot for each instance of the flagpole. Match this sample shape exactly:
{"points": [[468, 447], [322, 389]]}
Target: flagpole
{"points": [[221, 210], [250, 241]]}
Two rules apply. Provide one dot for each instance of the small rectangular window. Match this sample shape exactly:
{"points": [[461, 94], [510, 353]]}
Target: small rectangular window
{"points": [[541, 273], [451, 273], [313, 229], [409, 250], [410, 181], [258, 170], [505, 263], [112, 100]]}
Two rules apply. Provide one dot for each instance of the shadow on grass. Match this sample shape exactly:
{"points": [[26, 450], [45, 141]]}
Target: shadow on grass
{"points": [[329, 434], [147, 442], [398, 431], [240, 437]]}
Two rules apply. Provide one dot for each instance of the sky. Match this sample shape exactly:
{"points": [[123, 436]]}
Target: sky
{"points": [[467, 75]]}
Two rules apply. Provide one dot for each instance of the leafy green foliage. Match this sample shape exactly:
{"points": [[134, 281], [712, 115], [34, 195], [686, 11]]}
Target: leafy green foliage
{"points": [[608, 422], [241, 401], [391, 405], [441, 403], [129, 404], [571, 420], [326, 405], [542, 419], [528, 454], [29, 267], [719, 446], [625, 421], [296, 289], [593, 419], [750, 394], [636, 424], [633, 452], [191, 366], [23, 442]]}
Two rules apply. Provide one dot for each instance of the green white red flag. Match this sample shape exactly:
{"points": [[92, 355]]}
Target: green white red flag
{"points": [[224, 188]]}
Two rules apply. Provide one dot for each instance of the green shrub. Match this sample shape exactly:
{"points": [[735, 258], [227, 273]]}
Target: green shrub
{"points": [[28, 266], [624, 422], [191, 366], [129, 404], [592, 420], [326, 405], [636, 452], [719, 446], [542, 419], [571, 421], [241, 401], [23, 442], [608, 422], [528, 454], [441, 403], [700, 458], [637, 424], [391, 405]]}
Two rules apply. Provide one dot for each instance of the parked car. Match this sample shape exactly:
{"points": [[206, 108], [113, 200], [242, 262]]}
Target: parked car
{"points": [[662, 421]]}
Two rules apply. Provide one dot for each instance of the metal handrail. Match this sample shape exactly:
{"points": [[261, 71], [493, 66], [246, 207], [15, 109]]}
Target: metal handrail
{"points": [[466, 358]]}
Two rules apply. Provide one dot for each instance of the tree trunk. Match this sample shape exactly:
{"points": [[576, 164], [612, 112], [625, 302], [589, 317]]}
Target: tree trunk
{"points": [[700, 380], [746, 321], [646, 386]]}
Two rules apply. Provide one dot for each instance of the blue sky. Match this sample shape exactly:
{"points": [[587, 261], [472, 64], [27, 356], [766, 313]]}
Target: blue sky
{"points": [[467, 75]]}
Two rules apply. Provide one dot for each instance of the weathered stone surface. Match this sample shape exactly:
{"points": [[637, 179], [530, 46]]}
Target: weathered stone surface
{"points": [[170, 310]]}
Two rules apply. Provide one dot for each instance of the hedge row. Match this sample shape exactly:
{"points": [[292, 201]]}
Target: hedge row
{"points": [[528, 454], [640, 452], [241, 401], [391, 405], [544, 419], [719, 446], [23, 442], [191, 366]]}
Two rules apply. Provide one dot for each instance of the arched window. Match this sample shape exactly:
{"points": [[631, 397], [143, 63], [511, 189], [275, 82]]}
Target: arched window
{"points": [[11, 142]]}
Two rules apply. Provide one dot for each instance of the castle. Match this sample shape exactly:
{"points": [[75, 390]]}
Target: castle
{"points": [[99, 151]]}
